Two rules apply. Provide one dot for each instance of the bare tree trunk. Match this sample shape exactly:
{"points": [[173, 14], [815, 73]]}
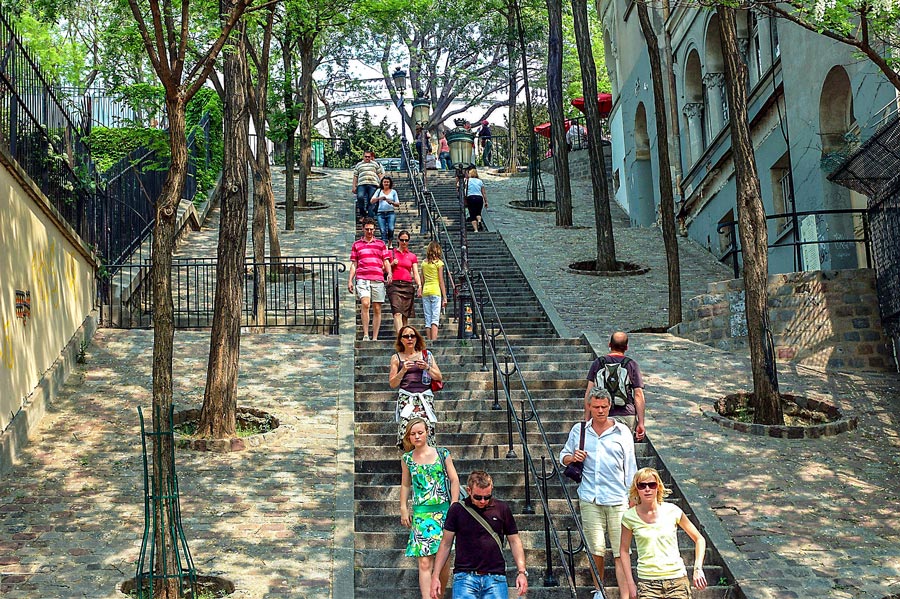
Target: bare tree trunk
{"points": [[307, 66], [289, 110], [752, 227], [666, 199], [606, 244], [513, 141], [163, 340], [557, 118], [219, 412]]}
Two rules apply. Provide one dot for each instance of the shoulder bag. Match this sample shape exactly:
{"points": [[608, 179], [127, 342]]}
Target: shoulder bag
{"points": [[575, 469]]}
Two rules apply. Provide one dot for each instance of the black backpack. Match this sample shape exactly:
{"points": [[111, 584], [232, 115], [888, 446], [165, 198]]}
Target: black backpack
{"points": [[614, 377]]}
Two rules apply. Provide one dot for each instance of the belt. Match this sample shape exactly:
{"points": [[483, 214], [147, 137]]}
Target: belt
{"points": [[477, 573]]}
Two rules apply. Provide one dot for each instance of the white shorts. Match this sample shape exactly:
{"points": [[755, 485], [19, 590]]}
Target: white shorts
{"points": [[600, 520], [370, 289], [431, 306]]}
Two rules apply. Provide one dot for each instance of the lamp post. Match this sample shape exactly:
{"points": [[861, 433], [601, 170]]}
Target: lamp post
{"points": [[399, 78], [460, 141], [421, 109]]}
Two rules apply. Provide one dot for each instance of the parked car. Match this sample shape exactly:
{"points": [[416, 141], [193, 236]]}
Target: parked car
{"points": [[389, 164]]}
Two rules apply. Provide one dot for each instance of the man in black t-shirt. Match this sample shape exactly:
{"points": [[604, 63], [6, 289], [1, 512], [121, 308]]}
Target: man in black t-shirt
{"points": [[632, 413], [480, 570]]}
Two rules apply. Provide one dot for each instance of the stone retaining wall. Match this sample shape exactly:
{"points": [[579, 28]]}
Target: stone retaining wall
{"points": [[827, 319]]}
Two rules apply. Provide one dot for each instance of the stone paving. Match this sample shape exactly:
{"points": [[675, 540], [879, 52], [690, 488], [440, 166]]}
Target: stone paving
{"points": [[275, 519], [793, 518]]}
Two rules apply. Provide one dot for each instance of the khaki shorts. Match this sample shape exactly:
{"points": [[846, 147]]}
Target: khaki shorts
{"points": [[371, 289], [599, 521], [668, 588]]}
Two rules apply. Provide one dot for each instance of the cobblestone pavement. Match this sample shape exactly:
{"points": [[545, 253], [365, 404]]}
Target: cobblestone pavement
{"points": [[642, 301], [275, 519], [793, 518]]}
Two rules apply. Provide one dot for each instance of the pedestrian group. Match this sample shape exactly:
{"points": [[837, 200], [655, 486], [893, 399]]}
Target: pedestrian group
{"points": [[616, 500]]}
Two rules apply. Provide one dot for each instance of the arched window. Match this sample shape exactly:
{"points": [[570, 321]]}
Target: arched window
{"points": [[692, 109], [642, 196], [714, 80]]}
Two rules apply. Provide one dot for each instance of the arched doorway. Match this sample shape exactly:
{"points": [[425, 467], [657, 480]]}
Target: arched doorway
{"points": [[714, 80], [837, 126], [692, 109], [643, 208]]}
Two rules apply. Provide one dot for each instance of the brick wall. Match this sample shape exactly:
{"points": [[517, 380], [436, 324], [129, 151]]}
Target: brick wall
{"points": [[827, 319]]}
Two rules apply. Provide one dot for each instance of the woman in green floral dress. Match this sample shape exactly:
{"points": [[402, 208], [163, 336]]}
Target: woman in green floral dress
{"points": [[430, 474]]}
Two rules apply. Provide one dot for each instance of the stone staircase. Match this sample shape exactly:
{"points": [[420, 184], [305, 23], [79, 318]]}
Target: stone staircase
{"points": [[476, 435]]}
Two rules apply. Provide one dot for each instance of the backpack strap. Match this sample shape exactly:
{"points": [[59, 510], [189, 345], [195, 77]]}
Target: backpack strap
{"points": [[581, 442], [483, 523]]}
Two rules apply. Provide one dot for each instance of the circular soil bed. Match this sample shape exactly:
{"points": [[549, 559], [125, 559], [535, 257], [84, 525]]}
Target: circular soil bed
{"points": [[527, 206], [207, 586], [804, 418], [650, 330], [309, 206], [624, 269], [255, 428]]}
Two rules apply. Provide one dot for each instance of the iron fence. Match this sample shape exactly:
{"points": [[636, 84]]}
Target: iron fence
{"points": [[41, 136], [859, 235], [300, 292], [884, 224]]}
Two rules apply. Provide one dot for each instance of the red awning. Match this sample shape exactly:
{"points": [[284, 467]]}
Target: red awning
{"points": [[544, 128], [604, 103]]}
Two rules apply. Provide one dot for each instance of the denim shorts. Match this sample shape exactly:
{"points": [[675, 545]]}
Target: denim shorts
{"points": [[468, 585], [431, 306]]}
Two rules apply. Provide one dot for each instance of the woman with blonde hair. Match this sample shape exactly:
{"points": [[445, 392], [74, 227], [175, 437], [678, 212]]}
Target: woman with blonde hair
{"points": [[412, 369], [434, 292], [429, 473], [654, 525]]}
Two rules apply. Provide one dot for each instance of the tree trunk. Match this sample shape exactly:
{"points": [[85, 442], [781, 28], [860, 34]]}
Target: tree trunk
{"points": [[666, 199], [561, 186], [512, 165], [163, 341], [752, 227], [307, 66], [219, 411], [606, 244], [291, 129]]}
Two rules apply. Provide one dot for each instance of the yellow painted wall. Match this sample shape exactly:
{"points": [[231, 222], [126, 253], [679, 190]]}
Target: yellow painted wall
{"points": [[35, 256]]}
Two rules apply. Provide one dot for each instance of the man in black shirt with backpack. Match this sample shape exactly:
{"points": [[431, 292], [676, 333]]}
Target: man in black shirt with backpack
{"points": [[621, 377]]}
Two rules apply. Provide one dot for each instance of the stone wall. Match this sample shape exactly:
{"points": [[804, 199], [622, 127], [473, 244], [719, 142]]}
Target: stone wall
{"points": [[579, 165], [826, 318]]}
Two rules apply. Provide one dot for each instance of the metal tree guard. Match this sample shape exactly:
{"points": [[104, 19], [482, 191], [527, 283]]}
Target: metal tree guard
{"points": [[162, 504]]}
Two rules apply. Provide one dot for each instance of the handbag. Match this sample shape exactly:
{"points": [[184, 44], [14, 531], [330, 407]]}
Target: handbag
{"points": [[575, 469], [435, 385]]}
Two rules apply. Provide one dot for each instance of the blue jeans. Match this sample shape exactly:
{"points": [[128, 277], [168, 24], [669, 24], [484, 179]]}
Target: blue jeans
{"points": [[479, 586], [363, 194], [446, 163], [386, 222]]}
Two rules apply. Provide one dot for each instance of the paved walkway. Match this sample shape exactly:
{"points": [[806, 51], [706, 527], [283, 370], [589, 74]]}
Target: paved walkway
{"points": [[275, 519], [793, 518]]}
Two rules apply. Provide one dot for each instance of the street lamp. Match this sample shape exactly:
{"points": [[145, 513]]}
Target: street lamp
{"points": [[399, 77], [460, 141], [421, 109]]}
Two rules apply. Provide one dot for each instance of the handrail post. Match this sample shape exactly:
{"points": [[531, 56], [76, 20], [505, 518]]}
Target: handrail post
{"points": [[734, 250], [866, 239], [484, 367], [511, 453], [528, 508], [570, 553], [549, 579], [496, 405]]}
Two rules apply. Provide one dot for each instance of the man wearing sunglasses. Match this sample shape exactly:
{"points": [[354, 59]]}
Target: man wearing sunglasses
{"points": [[367, 176], [480, 570], [609, 467]]}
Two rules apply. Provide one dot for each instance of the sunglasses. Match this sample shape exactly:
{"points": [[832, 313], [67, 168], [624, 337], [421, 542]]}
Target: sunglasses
{"points": [[403, 240], [482, 497], [650, 484], [407, 336]]}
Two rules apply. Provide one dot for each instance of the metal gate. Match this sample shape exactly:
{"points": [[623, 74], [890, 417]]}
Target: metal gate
{"points": [[300, 292]]}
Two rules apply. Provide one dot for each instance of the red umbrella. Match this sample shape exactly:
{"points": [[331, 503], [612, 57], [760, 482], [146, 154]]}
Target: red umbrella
{"points": [[604, 103], [544, 128]]}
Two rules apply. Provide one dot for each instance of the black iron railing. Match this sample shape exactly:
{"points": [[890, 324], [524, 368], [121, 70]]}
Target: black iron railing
{"points": [[497, 355], [41, 136], [300, 292], [860, 234]]}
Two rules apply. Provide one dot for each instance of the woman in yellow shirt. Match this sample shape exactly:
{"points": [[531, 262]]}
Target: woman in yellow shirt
{"points": [[434, 292]]}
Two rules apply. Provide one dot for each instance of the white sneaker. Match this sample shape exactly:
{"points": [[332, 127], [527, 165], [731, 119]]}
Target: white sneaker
{"points": [[366, 338], [598, 595]]}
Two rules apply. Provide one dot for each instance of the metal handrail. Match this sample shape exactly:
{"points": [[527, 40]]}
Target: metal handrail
{"points": [[735, 248], [489, 342]]}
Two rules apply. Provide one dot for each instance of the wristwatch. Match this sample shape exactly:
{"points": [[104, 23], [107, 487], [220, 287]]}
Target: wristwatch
{"points": [[524, 572]]}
